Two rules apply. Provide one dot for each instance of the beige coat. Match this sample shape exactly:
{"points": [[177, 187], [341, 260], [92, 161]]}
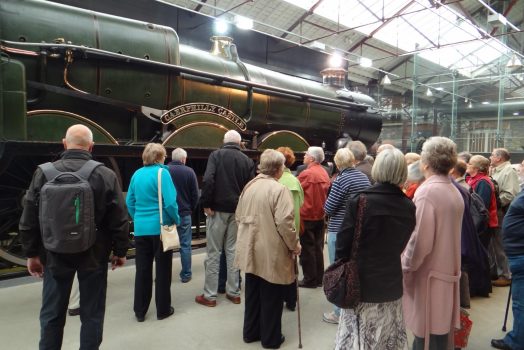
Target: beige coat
{"points": [[266, 232], [432, 258]]}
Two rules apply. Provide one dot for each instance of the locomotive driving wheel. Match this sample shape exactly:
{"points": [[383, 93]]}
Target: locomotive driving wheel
{"points": [[19, 160], [15, 176]]}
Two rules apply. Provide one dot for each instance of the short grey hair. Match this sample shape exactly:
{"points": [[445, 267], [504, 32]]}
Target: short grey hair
{"points": [[440, 154], [344, 159], [414, 172], [178, 154], [390, 167], [232, 136], [317, 153], [480, 162], [359, 150], [465, 156], [502, 153], [271, 162]]}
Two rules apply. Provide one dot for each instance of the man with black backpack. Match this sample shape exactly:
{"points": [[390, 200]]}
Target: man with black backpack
{"points": [[74, 215]]}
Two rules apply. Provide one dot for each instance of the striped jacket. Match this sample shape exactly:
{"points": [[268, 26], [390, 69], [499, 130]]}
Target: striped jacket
{"points": [[347, 182]]}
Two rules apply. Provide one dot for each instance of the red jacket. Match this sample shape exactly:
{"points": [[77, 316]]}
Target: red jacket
{"points": [[473, 181], [315, 183]]}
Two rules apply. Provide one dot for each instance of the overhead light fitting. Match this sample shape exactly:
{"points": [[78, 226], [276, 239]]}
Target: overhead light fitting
{"points": [[385, 80], [440, 88], [429, 93], [470, 105], [221, 26], [335, 60], [365, 62], [466, 100], [318, 45], [243, 22], [514, 61], [485, 102]]}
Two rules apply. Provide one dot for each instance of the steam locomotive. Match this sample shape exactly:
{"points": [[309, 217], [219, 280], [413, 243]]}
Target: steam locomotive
{"points": [[132, 83]]}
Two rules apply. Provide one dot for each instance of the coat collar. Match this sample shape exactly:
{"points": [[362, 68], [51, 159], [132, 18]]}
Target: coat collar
{"points": [[437, 178], [231, 145], [383, 188], [76, 154], [175, 162]]}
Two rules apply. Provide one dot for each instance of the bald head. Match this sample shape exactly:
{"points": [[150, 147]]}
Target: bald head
{"points": [[78, 137], [384, 146]]}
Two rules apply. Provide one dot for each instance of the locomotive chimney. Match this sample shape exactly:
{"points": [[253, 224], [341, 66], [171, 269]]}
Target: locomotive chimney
{"points": [[334, 77], [221, 46]]}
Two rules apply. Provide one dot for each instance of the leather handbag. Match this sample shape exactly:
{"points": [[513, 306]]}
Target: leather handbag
{"points": [[168, 233], [341, 279]]}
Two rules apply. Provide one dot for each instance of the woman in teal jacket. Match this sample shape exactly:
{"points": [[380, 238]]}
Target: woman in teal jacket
{"points": [[142, 204]]}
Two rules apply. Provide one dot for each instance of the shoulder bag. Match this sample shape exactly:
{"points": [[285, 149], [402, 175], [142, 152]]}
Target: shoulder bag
{"points": [[341, 279], [168, 233]]}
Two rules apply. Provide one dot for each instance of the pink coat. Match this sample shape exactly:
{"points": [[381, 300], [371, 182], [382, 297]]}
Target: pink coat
{"points": [[432, 257]]}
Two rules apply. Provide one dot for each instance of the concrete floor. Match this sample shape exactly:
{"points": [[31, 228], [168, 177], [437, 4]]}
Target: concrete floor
{"points": [[194, 326]]}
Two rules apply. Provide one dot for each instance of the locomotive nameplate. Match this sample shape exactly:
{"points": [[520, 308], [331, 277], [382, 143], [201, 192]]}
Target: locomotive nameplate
{"points": [[203, 108]]}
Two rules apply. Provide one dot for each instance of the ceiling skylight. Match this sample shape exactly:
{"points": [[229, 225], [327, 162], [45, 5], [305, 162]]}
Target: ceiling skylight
{"points": [[441, 35]]}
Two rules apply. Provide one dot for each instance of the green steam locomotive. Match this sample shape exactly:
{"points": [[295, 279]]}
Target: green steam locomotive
{"points": [[132, 82]]}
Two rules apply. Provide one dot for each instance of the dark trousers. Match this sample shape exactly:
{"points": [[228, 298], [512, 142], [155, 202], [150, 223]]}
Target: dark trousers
{"points": [[55, 298], [312, 257], [147, 249], [290, 294], [263, 312], [436, 342]]}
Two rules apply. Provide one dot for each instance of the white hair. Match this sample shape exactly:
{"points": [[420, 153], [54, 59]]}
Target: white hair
{"points": [[178, 154], [232, 136], [317, 153], [271, 162], [390, 167]]}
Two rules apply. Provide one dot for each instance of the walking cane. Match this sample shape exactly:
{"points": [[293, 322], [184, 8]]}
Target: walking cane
{"points": [[298, 306], [507, 309]]}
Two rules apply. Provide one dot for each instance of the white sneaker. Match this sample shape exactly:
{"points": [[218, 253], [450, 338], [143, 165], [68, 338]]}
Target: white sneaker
{"points": [[330, 317]]}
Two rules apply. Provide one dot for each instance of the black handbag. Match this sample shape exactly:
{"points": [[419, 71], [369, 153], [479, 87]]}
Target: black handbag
{"points": [[341, 279]]}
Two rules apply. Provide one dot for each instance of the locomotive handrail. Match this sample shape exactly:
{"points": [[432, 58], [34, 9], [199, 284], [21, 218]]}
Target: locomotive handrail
{"points": [[207, 77]]}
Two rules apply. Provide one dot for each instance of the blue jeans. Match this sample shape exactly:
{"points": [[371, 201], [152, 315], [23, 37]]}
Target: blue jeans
{"points": [[331, 243], [185, 233], [55, 297], [515, 338]]}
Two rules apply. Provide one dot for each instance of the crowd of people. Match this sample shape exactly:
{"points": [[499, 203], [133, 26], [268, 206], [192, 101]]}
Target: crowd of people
{"points": [[420, 254]]}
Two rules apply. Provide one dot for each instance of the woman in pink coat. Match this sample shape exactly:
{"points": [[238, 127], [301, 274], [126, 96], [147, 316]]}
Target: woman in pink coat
{"points": [[431, 260]]}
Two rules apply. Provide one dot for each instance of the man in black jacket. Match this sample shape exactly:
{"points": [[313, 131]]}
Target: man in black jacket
{"points": [[228, 171], [57, 269]]}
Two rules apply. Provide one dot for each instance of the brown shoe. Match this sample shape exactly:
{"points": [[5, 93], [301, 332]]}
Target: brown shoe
{"points": [[233, 299], [501, 282], [206, 302]]}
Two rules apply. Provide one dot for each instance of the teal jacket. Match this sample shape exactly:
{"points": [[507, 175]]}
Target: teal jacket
{"points": [[142, 200]]}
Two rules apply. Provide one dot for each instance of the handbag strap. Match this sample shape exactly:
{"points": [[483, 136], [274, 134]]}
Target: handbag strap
{"points": [[160, 195], [362, 200]]}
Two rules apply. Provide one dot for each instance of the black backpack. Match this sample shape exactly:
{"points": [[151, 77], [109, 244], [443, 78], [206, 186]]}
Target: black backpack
{"points": [[67, 209], [478, 211], [497, 193]]}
